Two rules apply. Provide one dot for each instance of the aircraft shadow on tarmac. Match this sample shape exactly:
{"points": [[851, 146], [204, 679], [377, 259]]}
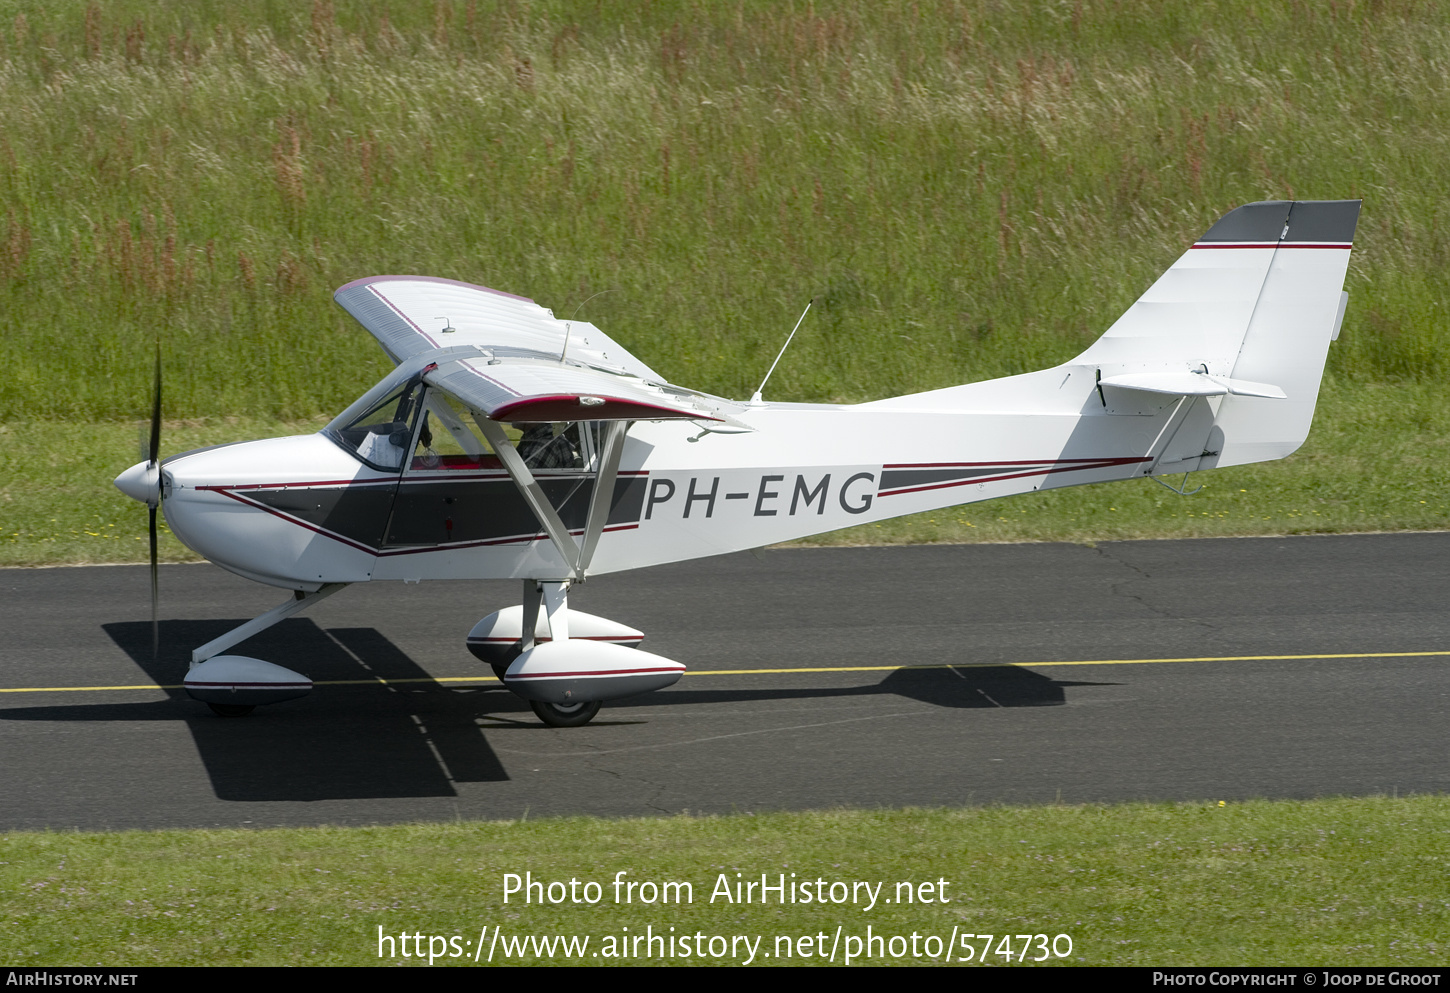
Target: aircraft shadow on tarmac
{"points": [[944, 685], [367, 739]]}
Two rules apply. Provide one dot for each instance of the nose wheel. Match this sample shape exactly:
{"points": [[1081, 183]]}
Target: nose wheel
{"points": [[565, 715]]}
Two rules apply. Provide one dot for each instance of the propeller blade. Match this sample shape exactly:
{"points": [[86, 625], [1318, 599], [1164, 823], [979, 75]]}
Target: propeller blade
{"points": [[154, 454], [155, 623], [155, 449]]}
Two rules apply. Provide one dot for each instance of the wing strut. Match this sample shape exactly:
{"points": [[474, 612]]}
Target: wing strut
{"points": [[575, 557], [603, 495], [1170, 429], [465, 438], [532, 493]]}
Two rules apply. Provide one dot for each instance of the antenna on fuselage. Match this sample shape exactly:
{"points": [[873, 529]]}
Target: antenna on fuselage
{"points": [[755, 399]]}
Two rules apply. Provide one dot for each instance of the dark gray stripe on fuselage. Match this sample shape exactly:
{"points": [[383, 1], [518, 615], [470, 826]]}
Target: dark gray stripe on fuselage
{"points": [[437, 511], [893, 479], [422, 511], [359, 512]]}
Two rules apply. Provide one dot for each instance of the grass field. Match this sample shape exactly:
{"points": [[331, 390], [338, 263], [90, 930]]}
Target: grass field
{"points": [[1324, 882]]}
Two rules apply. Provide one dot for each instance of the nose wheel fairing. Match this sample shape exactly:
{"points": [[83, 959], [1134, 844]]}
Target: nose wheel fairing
{"points": [[230, 682]]}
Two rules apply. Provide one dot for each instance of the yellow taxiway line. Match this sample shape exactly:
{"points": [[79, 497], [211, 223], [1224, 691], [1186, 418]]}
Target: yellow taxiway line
{"points": [[772, 672]]}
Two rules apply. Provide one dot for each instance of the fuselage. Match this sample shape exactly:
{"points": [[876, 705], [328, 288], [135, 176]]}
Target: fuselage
{"points": [[304, 511]]}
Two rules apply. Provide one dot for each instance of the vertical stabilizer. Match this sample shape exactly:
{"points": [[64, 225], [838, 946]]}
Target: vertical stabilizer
{"points": [[1252, 305]]}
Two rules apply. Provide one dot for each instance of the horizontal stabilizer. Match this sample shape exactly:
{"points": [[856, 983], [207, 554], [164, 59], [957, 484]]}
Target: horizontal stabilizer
{"points": [[1177, 384], [1191, 384], [1244, 388]]}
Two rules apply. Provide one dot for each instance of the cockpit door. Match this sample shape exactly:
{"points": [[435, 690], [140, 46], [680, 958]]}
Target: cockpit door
{"points": [[456, 491]]}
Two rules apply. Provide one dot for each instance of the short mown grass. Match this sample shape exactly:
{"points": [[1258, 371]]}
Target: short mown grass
{"points": [[1345, 882]]}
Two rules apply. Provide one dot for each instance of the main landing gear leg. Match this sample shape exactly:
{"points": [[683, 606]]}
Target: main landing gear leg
{"points": [[533, 594], [555, 596]]}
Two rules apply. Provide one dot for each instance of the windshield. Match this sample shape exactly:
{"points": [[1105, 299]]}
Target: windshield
{"points": [[382, 433]]}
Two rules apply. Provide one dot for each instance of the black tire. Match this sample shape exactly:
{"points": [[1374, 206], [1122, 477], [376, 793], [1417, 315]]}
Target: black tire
{"points": [[231, 709], [565, 715]]}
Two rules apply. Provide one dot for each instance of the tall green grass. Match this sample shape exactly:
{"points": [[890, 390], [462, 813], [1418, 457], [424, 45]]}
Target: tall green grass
{"points": [[968, 190]]}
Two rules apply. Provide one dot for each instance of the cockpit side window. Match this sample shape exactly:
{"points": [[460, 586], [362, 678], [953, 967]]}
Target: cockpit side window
{"points": [[383, 434], [449, 440], [401, 423], [551, 445]]}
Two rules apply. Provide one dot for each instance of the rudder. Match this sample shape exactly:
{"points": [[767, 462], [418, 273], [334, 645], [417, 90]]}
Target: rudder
{"points": [[1299, 312]]}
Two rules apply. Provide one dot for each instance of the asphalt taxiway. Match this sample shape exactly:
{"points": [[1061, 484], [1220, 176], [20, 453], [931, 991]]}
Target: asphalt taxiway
{"points": [[930, 675]]}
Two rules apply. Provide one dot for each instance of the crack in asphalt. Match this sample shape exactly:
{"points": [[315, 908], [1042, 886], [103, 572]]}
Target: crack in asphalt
{"points": [[657, 789], [1119, 589]]}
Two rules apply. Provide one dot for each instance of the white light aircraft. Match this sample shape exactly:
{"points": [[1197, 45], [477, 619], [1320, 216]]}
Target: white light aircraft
{"points": [[510, 444]]}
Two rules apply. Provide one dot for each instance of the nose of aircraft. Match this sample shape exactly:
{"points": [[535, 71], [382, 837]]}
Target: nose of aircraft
{"points": [[141, 482]]}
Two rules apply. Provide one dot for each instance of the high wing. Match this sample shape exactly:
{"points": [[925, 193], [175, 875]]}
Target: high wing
{"points": [[511, 360]]}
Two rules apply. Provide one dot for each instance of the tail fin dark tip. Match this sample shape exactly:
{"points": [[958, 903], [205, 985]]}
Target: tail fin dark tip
{"points": [[1307, 221], [1323, 221], [1263, 221]]}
